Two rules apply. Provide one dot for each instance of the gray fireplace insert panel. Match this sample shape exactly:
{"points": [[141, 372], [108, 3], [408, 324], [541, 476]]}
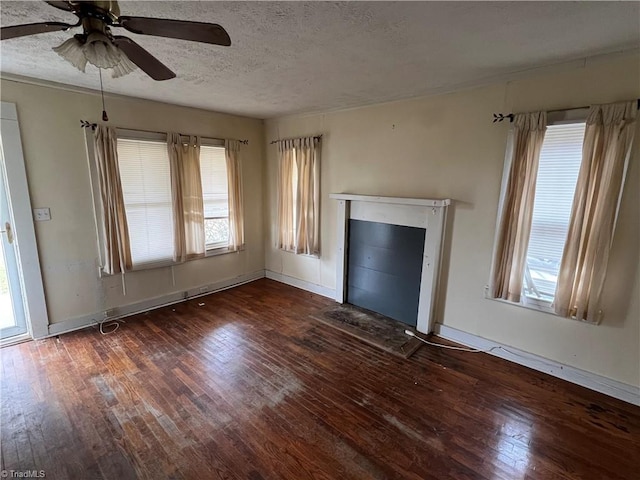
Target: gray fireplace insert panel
{"points": [[385, 268]]}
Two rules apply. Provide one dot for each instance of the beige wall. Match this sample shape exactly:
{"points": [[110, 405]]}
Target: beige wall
{"points": [[443, 146], [446, 146], [58, 175]]}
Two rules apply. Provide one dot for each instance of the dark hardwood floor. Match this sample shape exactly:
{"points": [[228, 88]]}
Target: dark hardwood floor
{"points": [[248, 387]]}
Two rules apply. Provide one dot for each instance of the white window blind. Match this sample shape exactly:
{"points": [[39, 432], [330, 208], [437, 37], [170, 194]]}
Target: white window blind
{"points": [[146, 185], [215, 195], [560, 160]]}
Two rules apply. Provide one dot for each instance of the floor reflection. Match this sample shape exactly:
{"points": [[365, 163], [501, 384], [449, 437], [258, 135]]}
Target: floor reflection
{"points": [[225, 358], [249, 384], [513, 456]]}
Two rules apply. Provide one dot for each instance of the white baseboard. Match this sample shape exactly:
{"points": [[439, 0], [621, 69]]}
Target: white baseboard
{"points": [[296, 282], [593, 381], [124, 311]]}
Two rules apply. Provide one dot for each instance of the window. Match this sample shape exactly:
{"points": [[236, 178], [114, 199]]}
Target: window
{"points": [[558, 168], [146, 186], [562, 188], [215, 193], [145, 175]]}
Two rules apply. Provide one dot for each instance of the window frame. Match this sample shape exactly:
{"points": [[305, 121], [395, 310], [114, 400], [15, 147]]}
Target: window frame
{"points": [[558, 117], [98, 211]]}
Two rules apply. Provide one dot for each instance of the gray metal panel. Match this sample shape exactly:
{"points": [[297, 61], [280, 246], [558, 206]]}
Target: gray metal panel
{"points": [[384, 268]]}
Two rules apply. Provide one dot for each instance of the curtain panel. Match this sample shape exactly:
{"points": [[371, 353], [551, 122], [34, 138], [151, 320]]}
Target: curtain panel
{"points": [[299, 195], [117, 251], [186, 190], [286, 230], [606, 150], [235, 192], [514, 223]]}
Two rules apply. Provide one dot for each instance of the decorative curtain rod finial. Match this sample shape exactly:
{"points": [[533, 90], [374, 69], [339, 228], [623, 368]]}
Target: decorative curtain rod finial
{"points": [[86, 124], [499, 117]]}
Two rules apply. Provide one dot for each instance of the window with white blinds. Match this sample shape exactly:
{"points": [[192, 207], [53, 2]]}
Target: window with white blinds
{"points": [[558, 169], [146, 185], [215, 195]]}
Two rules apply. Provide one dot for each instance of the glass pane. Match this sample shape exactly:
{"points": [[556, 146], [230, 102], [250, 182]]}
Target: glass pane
{"points": [[7, 318], [558, 170], [213, 174], [146, 188], [216, 231]]}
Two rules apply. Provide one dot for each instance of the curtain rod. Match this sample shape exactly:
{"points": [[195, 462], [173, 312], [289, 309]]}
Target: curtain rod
{"points": [[92, 126], [316, 137], [499, 117]]}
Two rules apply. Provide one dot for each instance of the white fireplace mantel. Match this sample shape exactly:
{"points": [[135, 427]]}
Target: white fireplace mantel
{"points": [[425, 202], [424, 213]]}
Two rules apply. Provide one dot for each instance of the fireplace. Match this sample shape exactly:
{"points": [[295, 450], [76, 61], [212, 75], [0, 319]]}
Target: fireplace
{"points": [[389, 255]]}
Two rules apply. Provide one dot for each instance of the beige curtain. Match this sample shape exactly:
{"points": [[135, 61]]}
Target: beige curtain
{"points": [[236, 206], [286, 165], [299, 195], [607, 145], [514, 224], [186, 190], [117, 252]]}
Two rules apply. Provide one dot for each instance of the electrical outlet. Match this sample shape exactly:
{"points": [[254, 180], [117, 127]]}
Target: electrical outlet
{"points": [[41, 214], [204, 289]]}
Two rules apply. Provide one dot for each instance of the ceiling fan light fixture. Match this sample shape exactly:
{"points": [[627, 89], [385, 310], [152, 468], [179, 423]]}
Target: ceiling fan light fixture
{"points": [[123, 68], [71, 50], [100, 52]]}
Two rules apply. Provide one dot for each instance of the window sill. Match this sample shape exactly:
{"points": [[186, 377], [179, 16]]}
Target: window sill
{"points": [[308, 255], [213, 252], [544, 307], [539, 305]]}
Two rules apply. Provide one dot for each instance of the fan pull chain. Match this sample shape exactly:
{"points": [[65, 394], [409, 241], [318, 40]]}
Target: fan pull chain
{"points": [[105, 118]]}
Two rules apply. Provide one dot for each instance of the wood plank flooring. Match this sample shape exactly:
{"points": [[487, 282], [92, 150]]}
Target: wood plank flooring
{"points": [[248, 387]]}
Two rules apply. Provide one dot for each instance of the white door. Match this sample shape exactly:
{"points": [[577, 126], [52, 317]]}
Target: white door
{"points": [[23, 311], [12, 313]]}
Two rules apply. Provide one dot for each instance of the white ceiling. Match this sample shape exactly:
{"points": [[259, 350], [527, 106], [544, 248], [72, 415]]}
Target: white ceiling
{"points": [[293, 57]]}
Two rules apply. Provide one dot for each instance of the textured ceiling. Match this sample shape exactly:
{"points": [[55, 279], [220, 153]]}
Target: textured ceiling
{"points": [[292, 57]]}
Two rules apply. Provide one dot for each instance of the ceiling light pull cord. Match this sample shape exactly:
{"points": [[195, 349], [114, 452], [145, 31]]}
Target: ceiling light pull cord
{"points": [[105, 118]]}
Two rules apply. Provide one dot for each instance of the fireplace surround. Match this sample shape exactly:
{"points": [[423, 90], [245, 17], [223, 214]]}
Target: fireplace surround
{"points": [[428, 214]]}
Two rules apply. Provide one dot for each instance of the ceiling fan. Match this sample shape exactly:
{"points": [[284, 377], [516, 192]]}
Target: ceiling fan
{"points": [[98, 46]]}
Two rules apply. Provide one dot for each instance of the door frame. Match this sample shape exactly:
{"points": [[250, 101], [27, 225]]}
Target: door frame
{"points": [[22, 223]]}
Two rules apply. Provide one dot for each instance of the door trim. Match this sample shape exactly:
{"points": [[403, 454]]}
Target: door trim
{"points": [[20, 206]]}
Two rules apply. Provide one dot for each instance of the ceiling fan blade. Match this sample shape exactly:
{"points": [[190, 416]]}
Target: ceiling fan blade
{"points": [[143, 59], [181, 29], [62, 5], [32, 29]]}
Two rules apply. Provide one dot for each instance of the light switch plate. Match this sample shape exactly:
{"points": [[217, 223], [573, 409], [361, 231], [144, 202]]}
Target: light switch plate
{"points": [[41, 214]]}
